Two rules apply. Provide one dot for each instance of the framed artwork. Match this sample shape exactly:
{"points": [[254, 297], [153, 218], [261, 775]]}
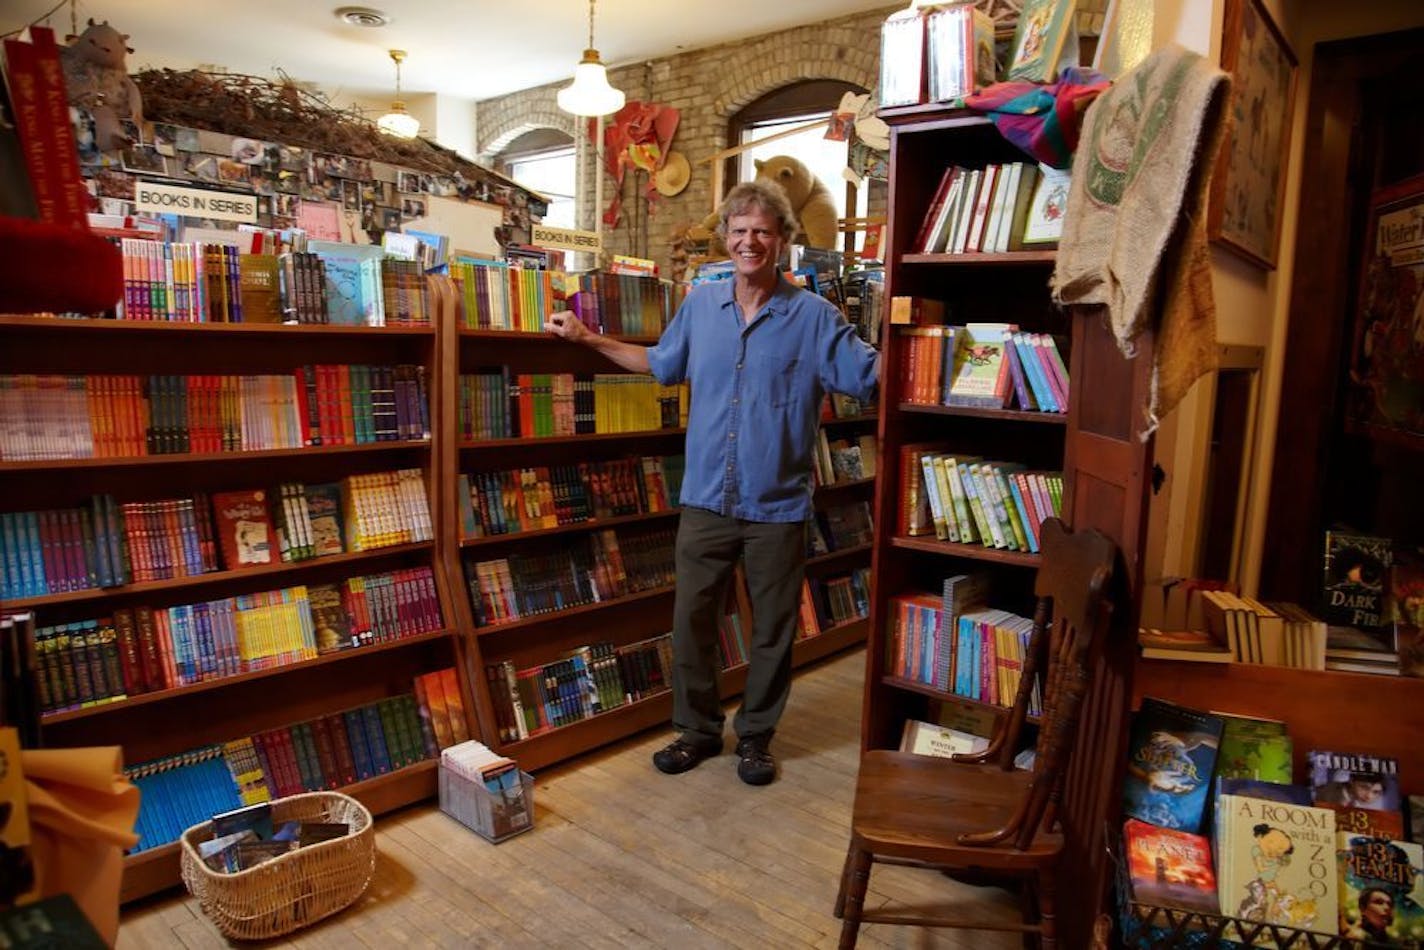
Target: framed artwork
{"points": [[1387, 363], [1249, 186]]}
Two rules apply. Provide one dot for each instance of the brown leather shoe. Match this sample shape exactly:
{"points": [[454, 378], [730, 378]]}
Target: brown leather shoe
{"points": [[680, 756]]}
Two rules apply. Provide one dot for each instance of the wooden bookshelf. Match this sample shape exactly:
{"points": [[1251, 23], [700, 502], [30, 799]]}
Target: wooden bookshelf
{"points": [[155, 724], [1094, 444]]}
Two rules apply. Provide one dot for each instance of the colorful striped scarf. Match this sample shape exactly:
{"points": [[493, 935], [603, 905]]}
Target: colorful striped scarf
{"points": [[1043, 120]]}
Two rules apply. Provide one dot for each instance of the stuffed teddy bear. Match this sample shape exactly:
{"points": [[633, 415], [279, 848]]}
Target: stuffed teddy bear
{"points": [[810, 199], [97, 80]]}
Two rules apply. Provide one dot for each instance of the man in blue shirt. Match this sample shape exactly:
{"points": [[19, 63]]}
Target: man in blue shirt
{"points": [[760, 354]]}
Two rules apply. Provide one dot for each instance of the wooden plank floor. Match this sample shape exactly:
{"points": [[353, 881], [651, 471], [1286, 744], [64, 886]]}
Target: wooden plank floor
{"points": [[622, 856]]}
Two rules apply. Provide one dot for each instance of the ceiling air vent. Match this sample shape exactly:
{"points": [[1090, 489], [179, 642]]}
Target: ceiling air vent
{"points": [[362, 16]]}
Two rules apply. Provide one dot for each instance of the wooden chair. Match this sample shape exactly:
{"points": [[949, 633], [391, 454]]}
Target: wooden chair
{"points": [[975, 813]]}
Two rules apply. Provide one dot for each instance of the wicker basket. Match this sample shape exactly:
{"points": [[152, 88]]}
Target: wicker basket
{"points": [[296, 889]]}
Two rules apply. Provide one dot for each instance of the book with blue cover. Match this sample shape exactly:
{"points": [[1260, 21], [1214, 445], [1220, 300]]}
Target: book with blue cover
{"points": [[1171, 756]]}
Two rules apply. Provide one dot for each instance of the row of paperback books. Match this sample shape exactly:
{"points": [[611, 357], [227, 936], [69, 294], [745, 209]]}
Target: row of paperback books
{"points": [[143, 650], [327, 283], [986, 365], [596, 567], [1330, 855], [843, 459], [831, 601], [496, 296], [965, 499], [328, 752], [529, 499], [79, 417], [590, 680], [988, 210], [954, 642], [495, 404], [106, 544]]}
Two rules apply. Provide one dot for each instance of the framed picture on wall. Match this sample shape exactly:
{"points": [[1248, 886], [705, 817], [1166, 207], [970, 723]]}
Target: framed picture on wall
{"points": [[1249, 186]]}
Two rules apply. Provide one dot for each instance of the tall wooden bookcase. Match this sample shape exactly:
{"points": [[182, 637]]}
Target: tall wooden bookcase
{"points": [[1105, 468], [156, 724], [547, 637]]}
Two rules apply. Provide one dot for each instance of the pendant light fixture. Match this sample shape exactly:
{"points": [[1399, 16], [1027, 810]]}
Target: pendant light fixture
{"points": [[398, 122], [590, 94]]}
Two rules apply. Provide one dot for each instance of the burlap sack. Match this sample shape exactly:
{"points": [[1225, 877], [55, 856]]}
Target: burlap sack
{"points": [[1134, 234]]}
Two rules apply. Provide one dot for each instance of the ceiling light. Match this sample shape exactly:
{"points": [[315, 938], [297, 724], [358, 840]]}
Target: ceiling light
{"points": [[361, 16], [590, 93], [398, 122]]}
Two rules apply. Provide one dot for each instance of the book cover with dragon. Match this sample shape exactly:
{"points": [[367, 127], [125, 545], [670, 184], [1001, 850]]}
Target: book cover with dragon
{"points": [[1171, 755]]}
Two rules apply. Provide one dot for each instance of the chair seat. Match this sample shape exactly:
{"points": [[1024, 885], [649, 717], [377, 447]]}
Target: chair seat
{"points": [[916, 807]]}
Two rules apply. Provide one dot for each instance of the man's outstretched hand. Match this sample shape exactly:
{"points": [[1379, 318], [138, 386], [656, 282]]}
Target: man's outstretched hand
{"points": [[566, 325]]}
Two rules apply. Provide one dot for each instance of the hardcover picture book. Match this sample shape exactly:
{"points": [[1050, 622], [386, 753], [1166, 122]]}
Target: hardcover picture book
{"points": [[1356, 570], [1171, 756], [1255, 749], [1381, 889], [1169, 868], [1354, 780], [1276, 863], [245, 534]]}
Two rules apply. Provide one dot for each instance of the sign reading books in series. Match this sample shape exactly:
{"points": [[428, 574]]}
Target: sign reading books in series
{"points": [[152, 198], [567, 239]]}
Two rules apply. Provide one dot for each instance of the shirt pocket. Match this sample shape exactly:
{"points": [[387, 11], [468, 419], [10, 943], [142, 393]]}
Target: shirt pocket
{"points": [[773, 379]]}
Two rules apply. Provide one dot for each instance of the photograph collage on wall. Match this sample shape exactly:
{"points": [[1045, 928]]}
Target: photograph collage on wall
{"points": [[335, 197]]}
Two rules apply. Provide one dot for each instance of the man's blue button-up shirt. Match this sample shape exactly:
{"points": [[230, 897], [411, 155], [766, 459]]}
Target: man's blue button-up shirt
{"points": [[756, 395]]}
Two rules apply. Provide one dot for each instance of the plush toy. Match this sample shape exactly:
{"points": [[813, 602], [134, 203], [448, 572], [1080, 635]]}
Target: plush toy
{"points": [[810, 199], [97, 80]]}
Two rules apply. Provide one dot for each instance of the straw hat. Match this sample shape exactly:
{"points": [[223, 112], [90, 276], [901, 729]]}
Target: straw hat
{"points": [[674, 175]]}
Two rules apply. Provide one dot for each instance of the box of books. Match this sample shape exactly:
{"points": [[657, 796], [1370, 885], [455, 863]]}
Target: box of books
{"points": [[486, 792]]}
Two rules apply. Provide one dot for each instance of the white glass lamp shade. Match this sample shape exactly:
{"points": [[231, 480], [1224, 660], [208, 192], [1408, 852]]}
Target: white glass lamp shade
{"points": [[399, 123], [589, 93]]}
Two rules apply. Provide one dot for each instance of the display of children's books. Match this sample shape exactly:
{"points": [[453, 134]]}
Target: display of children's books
{"points": [[1354, 780], [1169, 868], [1171, 756], [1276, 863], [1381, 889]]}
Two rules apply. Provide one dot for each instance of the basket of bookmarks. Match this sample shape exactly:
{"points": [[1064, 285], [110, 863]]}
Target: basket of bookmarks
{"points": [[294, 889]]}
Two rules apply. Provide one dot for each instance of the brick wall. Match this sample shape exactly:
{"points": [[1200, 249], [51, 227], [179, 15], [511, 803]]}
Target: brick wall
{"points": [[707, 86]]}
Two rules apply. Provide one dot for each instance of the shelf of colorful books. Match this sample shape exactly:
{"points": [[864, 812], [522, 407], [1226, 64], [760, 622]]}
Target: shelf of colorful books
{"points": [[582, 609], [207, 457], [563, 742], [527, 441], [976, 552], [982, 412], [591, 524], [1324, 709], [98, 325], [983, 259], [222, 682], [214, 577], [157, 869]]}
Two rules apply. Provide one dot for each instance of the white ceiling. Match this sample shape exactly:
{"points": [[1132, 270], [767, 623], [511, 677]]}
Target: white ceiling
{"points": [[474, 49]]}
